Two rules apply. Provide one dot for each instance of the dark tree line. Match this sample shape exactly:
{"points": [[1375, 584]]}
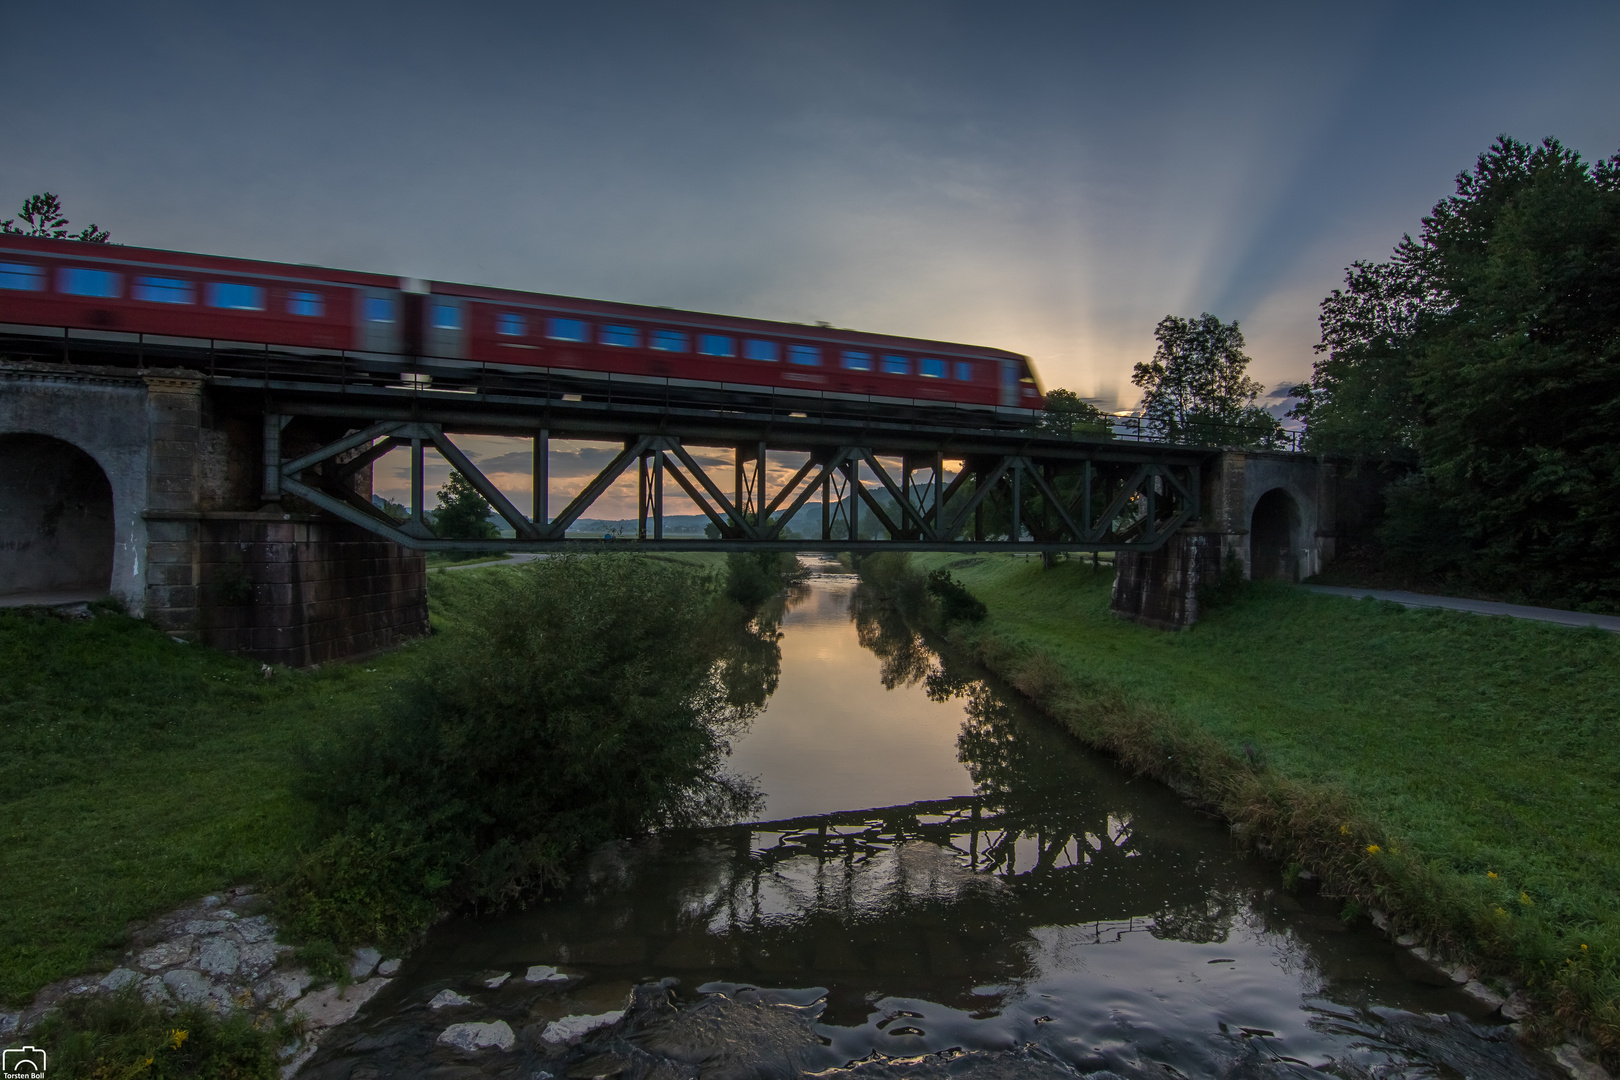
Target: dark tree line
{"points": [[1485, 353]]}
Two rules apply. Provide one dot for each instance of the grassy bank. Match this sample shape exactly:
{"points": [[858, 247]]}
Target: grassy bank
{"points": [[1457, 771], [144, 774]]}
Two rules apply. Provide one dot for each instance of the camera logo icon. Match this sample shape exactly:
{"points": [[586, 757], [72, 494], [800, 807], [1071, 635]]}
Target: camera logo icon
{"points": [[23, 1063]]}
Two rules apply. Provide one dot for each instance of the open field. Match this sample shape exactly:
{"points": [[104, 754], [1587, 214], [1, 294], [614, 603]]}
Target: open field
{"points": [[1484, 753]]}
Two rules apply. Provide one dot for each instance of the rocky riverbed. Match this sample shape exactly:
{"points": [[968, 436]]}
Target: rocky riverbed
{"points": [[221, 952]]}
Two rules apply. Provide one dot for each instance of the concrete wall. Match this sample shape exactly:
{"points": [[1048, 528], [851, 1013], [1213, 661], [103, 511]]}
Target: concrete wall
{"points": [[1160, 588], [190, 549]]}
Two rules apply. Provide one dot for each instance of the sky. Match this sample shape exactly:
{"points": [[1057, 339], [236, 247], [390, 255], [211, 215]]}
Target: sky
{"points": [[1047, 177]]}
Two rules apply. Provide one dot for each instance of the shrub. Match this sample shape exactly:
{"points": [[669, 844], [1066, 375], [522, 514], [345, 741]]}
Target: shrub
{"points": [[585, 702], [956, 604], [122, 1036]]}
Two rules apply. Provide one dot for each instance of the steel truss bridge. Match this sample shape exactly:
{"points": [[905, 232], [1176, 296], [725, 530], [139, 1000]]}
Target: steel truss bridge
{"points": [[1006, 488], [932, 476]]}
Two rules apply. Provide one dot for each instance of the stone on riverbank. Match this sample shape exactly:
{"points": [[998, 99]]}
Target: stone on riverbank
{"points": [[119, 978], [471, 1038], [363, 962], [336, 1005]]}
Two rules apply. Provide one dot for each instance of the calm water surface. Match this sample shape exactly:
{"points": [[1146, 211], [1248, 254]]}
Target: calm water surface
{"points": [[936, 869]]}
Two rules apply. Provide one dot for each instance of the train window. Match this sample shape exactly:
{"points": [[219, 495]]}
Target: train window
{"points": [[669, 340], [716, 345], [964, 371], [163, 290], [22, 276], [929, 368], [446, 317], [379, 309], [627, 336], [77, 281], [896, 365], [754, 349], [306, 303], [229, 294], [565, 329], [807, 355], [857, 361], [511, 324]]}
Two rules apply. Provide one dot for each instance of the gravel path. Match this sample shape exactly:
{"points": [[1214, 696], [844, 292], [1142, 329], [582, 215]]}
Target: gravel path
{"points": [[1610, 623]]}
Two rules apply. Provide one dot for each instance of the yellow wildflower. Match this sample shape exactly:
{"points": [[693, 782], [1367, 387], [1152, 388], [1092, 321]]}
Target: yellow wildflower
{"points": [[1344, 830], [1373, 849], [177, 1038], [1500, 910], [1491, 874], [1524, 898], [1583, 947]]}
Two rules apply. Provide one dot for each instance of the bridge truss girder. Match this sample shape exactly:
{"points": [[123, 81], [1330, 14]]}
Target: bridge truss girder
{"points": [[1009, 493]]}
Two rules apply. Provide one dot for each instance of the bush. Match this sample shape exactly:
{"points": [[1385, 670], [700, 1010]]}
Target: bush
{"points": [[752, 577], [122, 1036], [956, 604], [585, 702]]}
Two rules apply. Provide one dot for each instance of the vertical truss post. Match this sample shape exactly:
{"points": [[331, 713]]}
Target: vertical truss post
{"points": [[541, 513], [1017, 501], [1085, 503], [939, 493], [905, 497], [978, 511], [642, 495], [272, 456], [826, 505], [852, 500], [416, 484], [759, 488], [658, 496], [1150, 506]]}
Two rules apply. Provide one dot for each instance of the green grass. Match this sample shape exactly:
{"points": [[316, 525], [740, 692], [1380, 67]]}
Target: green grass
{"points": [[1474, 745], [143, 773]]}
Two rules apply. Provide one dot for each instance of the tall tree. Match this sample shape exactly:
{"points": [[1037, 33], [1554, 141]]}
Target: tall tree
{"points": [[1489, 348], [1067, 413], [42, 216], [1360, 401], [462, 513], [1197, 387]]}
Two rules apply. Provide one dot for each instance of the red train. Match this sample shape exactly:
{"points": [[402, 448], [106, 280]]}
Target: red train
{"points": [[68, 283]]}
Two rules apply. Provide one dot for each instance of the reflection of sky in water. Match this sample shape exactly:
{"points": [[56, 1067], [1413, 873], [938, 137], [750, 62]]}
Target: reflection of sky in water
{"points": [[1056, 901], [832, 738]]}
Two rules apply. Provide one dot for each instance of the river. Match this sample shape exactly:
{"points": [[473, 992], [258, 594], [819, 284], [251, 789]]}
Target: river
{"points": [[939, 882]]}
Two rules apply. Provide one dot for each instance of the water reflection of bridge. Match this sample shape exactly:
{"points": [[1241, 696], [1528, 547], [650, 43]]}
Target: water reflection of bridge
{"points": [[983, 833]]}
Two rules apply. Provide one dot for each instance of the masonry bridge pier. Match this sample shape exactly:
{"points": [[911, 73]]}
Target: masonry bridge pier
{"points": [[225, 492]]}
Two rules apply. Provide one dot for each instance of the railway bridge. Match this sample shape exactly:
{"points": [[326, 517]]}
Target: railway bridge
{"points": [[224, 490]]}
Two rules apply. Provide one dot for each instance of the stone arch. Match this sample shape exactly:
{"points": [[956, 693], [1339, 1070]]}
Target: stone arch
{"points": [[56, 519], [1276, 547]]}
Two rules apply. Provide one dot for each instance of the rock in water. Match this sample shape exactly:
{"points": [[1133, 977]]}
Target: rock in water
{"points": [[471, 1038], [570, 1029], [448, 999], [544, 973]]}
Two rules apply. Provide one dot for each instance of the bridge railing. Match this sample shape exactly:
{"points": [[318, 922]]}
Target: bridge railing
{"points": [[1204, 433]]}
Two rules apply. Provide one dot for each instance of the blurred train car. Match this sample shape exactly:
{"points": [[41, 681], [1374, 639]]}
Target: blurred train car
{"points": [[173, 298]]}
